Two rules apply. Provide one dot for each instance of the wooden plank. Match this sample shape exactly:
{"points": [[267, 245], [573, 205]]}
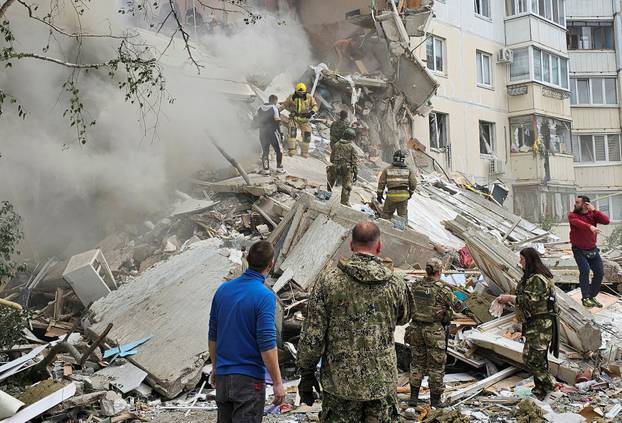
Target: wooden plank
{"points": [[314, 250], [287, 276], [480, 385]]}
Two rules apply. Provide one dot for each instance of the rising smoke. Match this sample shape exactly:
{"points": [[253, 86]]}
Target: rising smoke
{"points": [[70, 195]]}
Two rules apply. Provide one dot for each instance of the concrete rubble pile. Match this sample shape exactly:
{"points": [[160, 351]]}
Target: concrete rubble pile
{"points": [[121, 330]]}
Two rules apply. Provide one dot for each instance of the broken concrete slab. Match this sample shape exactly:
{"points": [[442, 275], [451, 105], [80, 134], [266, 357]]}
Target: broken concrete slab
{"points": [[112, 404], [314, 249], [124, 378], [171, 302]]}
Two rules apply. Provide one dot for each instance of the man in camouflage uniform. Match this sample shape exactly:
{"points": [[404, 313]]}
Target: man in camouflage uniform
{"points": [[400, 183], [336, 131], [350, 320], [344, 168], [427, 333]]}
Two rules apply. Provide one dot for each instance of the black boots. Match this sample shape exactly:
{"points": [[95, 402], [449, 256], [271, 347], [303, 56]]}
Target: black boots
{"points": [[435, 400], [414, 396]]}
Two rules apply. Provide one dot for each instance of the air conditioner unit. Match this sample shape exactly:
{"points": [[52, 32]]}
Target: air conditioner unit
{"points": [[497, 167], [505, 55]]}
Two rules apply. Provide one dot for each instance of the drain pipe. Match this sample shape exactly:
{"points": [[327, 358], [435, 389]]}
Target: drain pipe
{"points": [[617, 30]]}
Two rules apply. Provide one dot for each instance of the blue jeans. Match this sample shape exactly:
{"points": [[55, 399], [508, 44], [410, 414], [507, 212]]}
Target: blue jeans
{"points": [[585, 264]]}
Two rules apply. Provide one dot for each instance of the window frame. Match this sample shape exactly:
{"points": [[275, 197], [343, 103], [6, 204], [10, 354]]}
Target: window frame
{"points": [[552, 57], [438, 146], [479, 61], [599, 203], [578, 154], [599, 26], [534, 7], [488, 16], [575, 97], [433, 39], [493, 139]]}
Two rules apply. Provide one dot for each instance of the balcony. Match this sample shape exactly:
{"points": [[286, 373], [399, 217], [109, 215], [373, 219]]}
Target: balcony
{"points": [[530, 98], [598, 177], [528, 169], [592, 61], [528, 28], [588, 9]]}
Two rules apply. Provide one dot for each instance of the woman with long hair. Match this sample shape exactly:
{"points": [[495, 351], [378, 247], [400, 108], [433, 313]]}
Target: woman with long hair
{"points": [[537, 310]]}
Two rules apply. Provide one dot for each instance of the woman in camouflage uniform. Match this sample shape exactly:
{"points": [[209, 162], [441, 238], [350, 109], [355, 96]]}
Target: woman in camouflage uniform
{"points": [[537, 309]]}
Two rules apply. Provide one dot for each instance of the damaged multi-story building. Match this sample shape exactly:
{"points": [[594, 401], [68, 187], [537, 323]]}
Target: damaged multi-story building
{"points": [[518, 94]]}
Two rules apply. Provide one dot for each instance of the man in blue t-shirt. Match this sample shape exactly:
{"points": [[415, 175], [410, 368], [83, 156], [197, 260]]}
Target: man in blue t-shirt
{"points": [[242, 341]]}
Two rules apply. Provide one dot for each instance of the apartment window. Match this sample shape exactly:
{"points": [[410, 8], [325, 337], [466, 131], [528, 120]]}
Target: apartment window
{"points": [[516, 7], [593, 91], [522, 133], [611, 206], [590, 35], [482, 7], [486, 138], [438, 130], [435, 54], [484, 69], [553, 134], [552, 10], [597, 148], [519, 68], [550, 68]]}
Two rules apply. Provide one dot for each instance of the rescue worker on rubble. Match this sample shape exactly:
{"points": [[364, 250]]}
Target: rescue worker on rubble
{"points": [[400, 182], [337, 129], [350, 320], [301, 106], [344, 168], [536, 308], [433, 307]]}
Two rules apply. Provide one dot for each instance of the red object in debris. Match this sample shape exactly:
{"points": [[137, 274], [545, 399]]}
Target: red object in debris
{"points": [[466, 260], [285, 408], [584, 376]]}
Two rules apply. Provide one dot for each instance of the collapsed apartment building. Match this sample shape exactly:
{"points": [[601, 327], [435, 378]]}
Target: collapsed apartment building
{"points": [[119, 332]]}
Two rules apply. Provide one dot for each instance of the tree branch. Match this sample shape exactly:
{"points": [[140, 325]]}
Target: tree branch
{"points": [[76, 65], [5, 6], [68, 34], [184, 35]]}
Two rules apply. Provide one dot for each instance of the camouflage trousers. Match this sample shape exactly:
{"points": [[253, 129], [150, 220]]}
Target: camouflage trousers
{"points": [[428, 354], [344, 175], [391, 205], [338, 410], [538, 334]]}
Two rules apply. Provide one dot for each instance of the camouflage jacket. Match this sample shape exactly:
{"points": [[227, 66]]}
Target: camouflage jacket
{"points": [[532, 297], [350, 321], [344, 154], [336, 131], [438, 306]]}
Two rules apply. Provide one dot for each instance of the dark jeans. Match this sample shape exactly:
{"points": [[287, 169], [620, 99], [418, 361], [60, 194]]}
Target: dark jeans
{"points": [[585, 264], [240, 399], [270, 138]]}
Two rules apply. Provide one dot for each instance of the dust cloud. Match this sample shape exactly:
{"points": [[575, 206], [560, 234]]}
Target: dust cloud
{"points": [[70, 195]]}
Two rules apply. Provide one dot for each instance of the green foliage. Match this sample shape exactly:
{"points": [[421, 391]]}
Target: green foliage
{"points": [[615, 239], [10, 234], [12, 322]]}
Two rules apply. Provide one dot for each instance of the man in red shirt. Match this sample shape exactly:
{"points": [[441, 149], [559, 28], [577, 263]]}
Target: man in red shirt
{"points": [[583, 231]]}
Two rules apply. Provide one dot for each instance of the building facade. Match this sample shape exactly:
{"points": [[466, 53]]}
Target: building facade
{"points": [[529, 95]]}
